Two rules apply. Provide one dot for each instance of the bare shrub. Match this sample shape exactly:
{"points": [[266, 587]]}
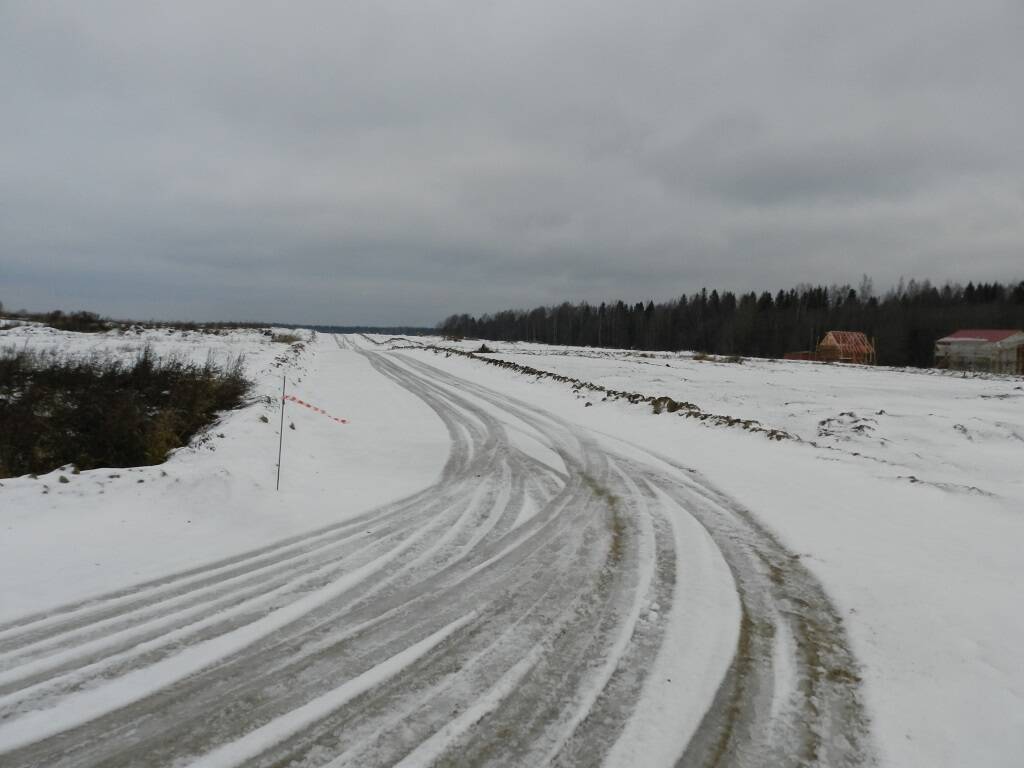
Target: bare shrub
{"points": [[104, 412]]}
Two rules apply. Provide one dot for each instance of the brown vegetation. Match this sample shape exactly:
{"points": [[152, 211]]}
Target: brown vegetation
{"points": [[102, 412]]}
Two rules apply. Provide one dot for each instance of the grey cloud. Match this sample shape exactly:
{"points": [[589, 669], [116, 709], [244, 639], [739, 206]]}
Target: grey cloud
{"points": [[382, 163], [764, 171]]}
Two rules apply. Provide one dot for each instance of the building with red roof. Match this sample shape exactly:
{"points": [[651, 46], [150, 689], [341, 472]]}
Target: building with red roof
{"points": [[997, 351]]}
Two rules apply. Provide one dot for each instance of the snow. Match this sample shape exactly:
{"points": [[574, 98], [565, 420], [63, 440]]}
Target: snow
{"points": [[433, 748], [252, 744], [963, 431], [656, 728], [903, 494], [107, 529], [913, 525]]}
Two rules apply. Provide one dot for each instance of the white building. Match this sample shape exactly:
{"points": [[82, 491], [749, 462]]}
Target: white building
{"points": [[982, 350]]}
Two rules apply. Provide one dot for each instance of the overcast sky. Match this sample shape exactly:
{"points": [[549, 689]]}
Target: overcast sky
{"points": [[386, 162]]}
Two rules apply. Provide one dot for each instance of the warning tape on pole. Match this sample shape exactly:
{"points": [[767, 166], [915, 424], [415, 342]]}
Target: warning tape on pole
{"points": [[314, 408]]}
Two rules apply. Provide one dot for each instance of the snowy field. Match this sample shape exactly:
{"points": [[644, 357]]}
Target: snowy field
{"points": [[961, 432], [486, 567], [904, 494]]}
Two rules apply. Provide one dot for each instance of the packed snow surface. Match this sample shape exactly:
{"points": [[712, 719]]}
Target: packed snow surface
{"points": [[490, 567], [903, 493]]}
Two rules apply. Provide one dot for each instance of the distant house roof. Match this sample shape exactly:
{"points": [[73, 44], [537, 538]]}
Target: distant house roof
{"points": [[980, 335]]}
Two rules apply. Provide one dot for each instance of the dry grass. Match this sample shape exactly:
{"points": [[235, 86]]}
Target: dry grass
{"points": [[104, 412]]}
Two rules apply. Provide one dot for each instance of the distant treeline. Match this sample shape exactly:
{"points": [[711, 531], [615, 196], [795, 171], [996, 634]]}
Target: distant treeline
{"points": [[90, 322], [905, 321], [80, 322], [398, 330]]}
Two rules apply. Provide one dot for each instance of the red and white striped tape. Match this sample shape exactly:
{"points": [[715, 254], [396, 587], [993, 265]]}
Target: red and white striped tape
{"points": [[312, 407]]}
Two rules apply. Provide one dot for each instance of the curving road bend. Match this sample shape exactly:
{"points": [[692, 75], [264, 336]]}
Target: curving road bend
{"points": [[555, 598]]}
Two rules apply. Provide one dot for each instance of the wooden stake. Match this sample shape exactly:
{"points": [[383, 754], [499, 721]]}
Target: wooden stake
{"points": [[280, 437]]}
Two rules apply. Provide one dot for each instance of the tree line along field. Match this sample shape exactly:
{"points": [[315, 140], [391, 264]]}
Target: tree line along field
{"points": [[905, 322]]}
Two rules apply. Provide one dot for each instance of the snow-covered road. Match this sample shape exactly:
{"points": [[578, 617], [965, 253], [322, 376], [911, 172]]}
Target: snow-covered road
{"points": [[556, 597]]}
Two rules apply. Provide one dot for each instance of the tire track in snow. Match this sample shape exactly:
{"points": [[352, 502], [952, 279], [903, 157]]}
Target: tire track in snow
{"points": [[514, 613], [814, 717]]}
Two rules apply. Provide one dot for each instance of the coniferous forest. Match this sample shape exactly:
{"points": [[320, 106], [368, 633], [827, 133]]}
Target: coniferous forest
{"points": [[904, 322]]}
